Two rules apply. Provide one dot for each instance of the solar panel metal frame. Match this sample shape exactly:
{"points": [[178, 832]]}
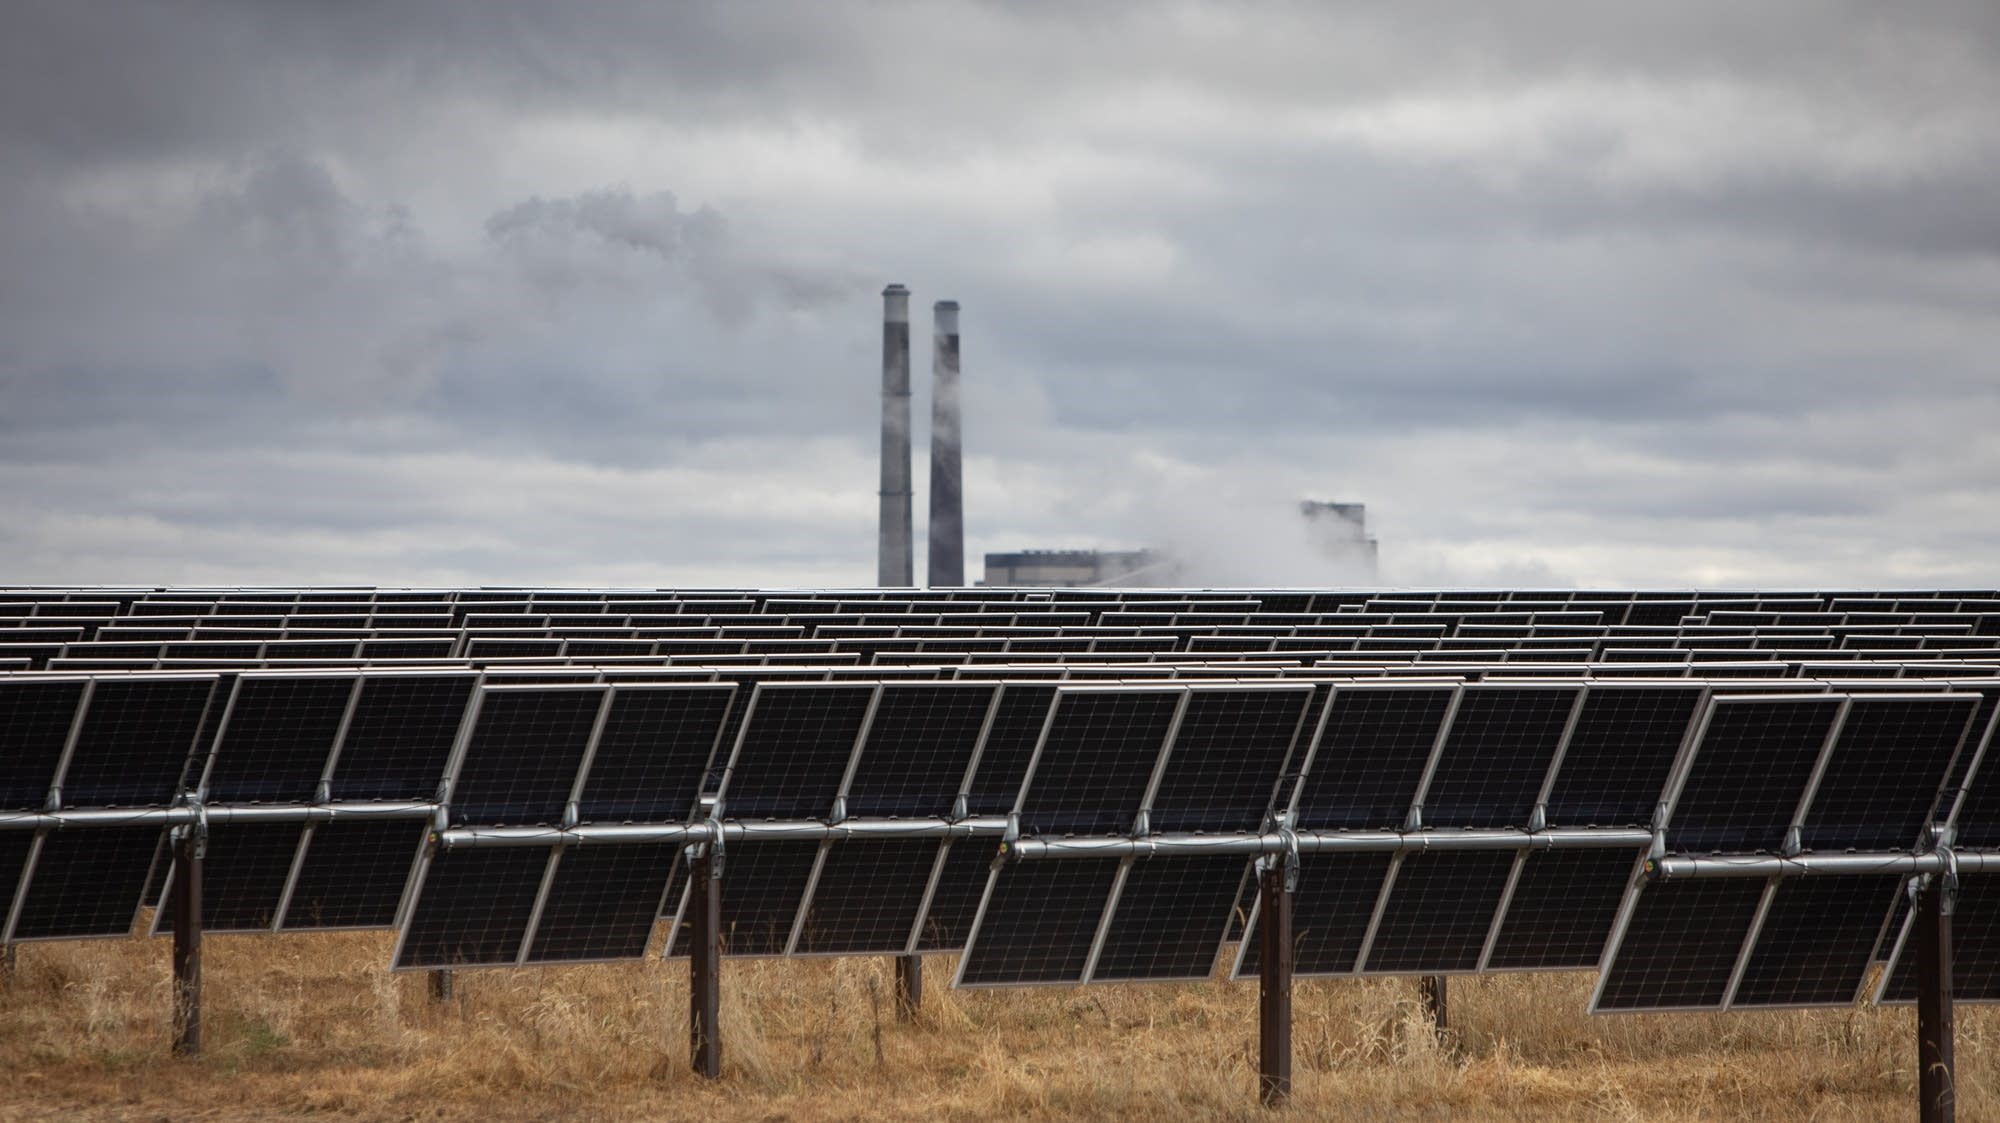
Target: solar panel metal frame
{"points": [[1109, 916], [25, 877], [1417, 804], [24, 881], [722, 797], [1118, 878], [1688, 736], [1900, 945], [413, 889], [576, 792], [1668, 804], [1248, 943], [944, 846], [525, 954], [161, 925]]}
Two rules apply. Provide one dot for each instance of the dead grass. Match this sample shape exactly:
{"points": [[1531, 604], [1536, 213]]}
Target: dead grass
{"points": [[311, 1026]]}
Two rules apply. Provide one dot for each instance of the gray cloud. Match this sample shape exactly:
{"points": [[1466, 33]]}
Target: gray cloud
{"points": [[457, 291]]}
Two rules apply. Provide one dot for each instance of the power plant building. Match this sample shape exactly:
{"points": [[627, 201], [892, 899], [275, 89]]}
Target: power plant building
{"points": [[1077, 568]]}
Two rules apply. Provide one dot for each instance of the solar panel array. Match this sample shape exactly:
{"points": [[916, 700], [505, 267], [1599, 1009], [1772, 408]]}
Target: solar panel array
{"points": [[1071, 786]]}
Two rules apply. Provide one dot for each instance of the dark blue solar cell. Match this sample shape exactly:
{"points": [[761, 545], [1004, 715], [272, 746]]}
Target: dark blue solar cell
{"points": [[401, 736], [1888, 765], [1749, 773], [522, 759], [919, 744], [794, 750], [1497, 755], [276, 737], [1096, 760], [1371, 756], [137, 740], [1227, 757], [1614, 770], [1009, 745], [1040, 921], [1331, 911], [35, 723], [1681, 945], [656, 745]]}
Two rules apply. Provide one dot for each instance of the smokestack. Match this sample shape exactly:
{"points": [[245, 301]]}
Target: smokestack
{"points": [[893, 558], [947, 556]]}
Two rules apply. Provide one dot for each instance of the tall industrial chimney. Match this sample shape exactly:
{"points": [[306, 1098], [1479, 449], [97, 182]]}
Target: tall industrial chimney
{"points": [[947, 555], [894, 551]]}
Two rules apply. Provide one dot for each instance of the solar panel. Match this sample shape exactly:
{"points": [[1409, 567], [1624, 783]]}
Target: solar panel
{"points": [[763, 885], [1616, 761], [1560, 909], [1882, 781], [526, 747], [1495, 761], [84, 883], [130, 747], [1227, 757], [956, 890], [36, 721], [401, 735], [135, 741], [353, 874], [243, 877], [1437, 913], [1038, 923], [1816, 941], [1687, 937], [474, 909], [868, 895], [1097, 756], [272, 746], [1008, 747], [1169, 919], [275, 737], [919, 748], [1750, 772], [1371, 753], [1332, 911], [1975, 942], [15, 847], [520, 765], [794, 749], [656, 745], [1803, 941], [602, 903]]}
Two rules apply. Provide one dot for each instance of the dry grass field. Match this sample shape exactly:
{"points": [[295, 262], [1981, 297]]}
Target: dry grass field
{"points": [[312, 1027]]}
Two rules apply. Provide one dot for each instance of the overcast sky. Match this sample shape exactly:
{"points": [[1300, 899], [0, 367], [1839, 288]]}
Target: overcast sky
{"points": [[491, 292]]}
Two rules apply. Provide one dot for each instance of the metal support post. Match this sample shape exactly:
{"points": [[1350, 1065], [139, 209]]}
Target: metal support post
{"points": [[1938, 1095], [1274, 981], [705, 964], [441, 982], [188, 852], [1437, 1003], [909, 986]]}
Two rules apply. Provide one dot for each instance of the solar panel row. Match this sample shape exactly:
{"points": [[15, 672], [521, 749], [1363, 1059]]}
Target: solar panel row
{"points": [[1724, 801]]}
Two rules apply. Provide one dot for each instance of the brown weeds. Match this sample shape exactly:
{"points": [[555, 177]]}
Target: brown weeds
{"points": [[301, 1026]]}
